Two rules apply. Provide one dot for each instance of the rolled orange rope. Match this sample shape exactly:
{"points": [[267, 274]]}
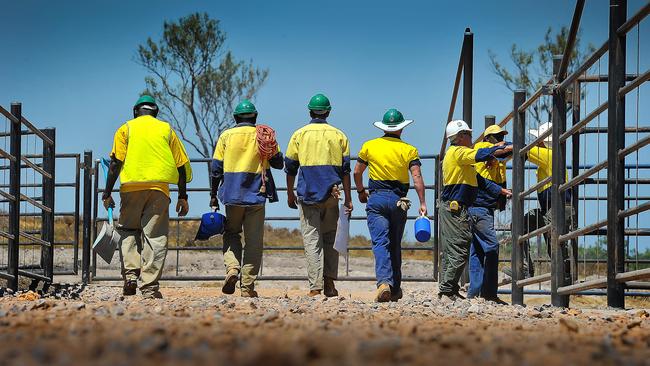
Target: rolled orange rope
{"points": [[267, 147]]}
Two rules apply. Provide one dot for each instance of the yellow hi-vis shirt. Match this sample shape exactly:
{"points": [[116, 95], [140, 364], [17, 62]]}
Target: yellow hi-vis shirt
{"points": [[459, 177], [543, 158], [389, 160], [496, 172], [152, 154]]}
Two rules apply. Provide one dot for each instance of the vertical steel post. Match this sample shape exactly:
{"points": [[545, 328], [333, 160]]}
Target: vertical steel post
{"points": [[575, 171], [615, 167], [47, 233], [436, 249], [93, 230], [14, 190], [490, 120], [468, 75], [558, 162], [518, 141], [87, 221]]}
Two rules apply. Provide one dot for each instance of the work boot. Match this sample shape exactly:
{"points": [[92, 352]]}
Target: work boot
{"points": [[497, 300], [130, 287], [396, 295], [230, 282], [330, 290], [383, 293], [314, 293], [152, 294], [248, 293], [450, 296]]}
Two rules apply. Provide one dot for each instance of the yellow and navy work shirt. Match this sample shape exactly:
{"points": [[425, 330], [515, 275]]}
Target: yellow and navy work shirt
{"points": [[237, 167], [389, 160], [496, 173], [460, 179], [543, 158], [320, 155], [146, 146]]}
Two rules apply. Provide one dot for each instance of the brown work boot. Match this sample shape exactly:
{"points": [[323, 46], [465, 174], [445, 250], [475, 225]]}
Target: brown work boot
{"points": [[383, 293], [248, 293], [230, 282], [130, 286], [155, 294], [313, 293], [330, 290]]}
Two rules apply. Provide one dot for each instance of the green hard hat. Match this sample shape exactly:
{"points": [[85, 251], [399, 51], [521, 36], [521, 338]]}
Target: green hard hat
{"points": [[245, 107], [319, 102], [145, 99], [393, 117]]}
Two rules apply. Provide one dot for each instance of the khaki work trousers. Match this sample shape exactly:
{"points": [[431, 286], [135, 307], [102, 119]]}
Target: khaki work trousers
{"points": [[143, 227], [456, 237], [247, 258], [318, 225]]}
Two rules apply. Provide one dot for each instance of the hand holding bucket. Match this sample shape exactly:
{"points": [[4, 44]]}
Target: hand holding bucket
{"points": [[422, 229]]}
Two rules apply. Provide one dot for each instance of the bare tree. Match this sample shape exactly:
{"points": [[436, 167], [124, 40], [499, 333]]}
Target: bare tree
{"points": [[533, 68], [196, 80]]}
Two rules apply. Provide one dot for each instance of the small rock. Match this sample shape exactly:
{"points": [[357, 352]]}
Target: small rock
{"points": [[570, 325], [79, 306], [158, 309], [29, 296], [3, 313], [118, 310], [105, 297], [270, 316], [633, 324], [475, 309], [642, 314], [252, 305], [222, 301], [217, 316]]}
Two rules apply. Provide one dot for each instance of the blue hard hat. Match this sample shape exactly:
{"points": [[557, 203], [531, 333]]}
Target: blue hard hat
{"points": [[212, 223]]}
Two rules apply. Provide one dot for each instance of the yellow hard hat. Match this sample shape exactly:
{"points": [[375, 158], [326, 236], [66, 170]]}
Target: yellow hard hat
{"points": [[494, 130]]}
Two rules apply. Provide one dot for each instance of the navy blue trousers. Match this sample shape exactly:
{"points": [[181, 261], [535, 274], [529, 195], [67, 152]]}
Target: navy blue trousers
{"points": [[386, 224], [483, 254]]}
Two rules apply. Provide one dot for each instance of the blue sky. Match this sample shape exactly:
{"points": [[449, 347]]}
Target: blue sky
{"points": [[71, 63]]}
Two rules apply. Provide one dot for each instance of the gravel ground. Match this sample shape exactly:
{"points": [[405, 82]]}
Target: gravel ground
{"points": [[198, 325]]}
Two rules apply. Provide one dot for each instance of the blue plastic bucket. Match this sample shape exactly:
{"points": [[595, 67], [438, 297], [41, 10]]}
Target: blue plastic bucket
{"points": [[422, 229]]}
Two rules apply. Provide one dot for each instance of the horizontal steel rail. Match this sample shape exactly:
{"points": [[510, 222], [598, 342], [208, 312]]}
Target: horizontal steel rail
{"points": [[6, 155], [583, 176], [34, 276], [582, 231], [8, 115], [634, 147], [534, 188], [524, 150], [542, 230], [634, 84], [634, 210], [634, 20], [35, 203], [628, 129], [7, 196], [36, 240], [584, 67], [582, 286], [633, 275], [533, 280], [36, 167], [36, 131], [6, 235], [583, 122], [533, 98]]}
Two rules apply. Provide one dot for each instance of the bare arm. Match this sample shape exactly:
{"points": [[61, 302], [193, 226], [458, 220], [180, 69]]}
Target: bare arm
{"points": [[418, 182], [359, 168], [291, 196]]}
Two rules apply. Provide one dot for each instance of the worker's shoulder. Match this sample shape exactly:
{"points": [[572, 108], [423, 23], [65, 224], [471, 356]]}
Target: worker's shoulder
{"points": [[238, 129], [147, 121], [483, 144]]}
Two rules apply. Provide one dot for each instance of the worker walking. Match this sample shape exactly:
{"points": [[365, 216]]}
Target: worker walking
{"points": [[320, 155], [390, 159], [460, 187], [147, 156], [242, 180], [484, 252]]}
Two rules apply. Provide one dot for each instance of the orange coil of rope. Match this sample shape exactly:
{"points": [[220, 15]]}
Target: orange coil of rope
{"points": [[267, 147]]}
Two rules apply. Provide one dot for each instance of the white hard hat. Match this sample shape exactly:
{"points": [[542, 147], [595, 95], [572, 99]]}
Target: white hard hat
{"points": [[454, 127], [542, 130]]}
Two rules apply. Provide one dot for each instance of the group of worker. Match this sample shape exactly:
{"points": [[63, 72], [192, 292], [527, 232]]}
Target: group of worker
{"points": [[474, 186], [147, 156]]}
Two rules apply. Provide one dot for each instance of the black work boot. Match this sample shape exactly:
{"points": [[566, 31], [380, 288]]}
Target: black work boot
{"points": [[130, 286], [329, 288]]}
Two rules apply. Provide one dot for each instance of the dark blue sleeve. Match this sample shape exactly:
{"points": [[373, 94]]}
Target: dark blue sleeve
{"points": [[485, 153], [216, 176], [277, 161], [346, 165], [489, 186], [291, 166]]}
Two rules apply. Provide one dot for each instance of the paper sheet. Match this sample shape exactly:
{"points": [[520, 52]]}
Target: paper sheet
{"points": [[342, 233]]}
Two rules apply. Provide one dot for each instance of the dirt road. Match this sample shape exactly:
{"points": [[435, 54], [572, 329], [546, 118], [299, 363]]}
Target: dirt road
{"points": [[198, 325]]}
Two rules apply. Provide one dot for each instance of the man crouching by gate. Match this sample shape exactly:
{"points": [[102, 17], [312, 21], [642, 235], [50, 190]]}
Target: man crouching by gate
{"points": [[484, 252], [147, 156], [460, 185], [242, 177]]}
